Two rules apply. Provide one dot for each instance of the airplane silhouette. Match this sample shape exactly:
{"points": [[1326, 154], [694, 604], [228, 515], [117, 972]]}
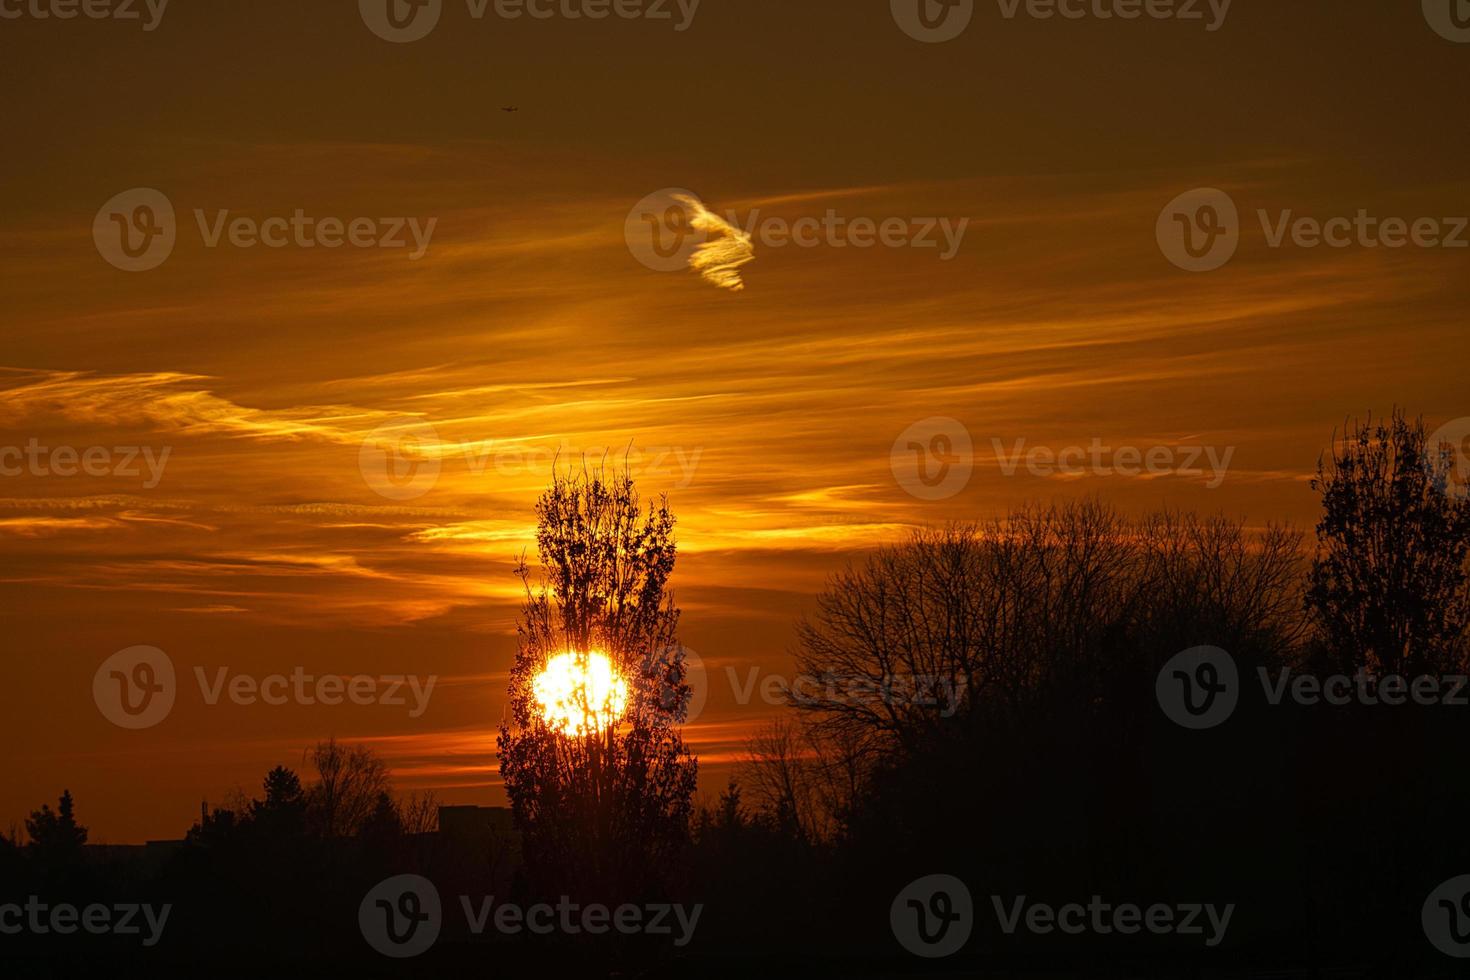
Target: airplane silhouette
{"points": [[510, 108]]}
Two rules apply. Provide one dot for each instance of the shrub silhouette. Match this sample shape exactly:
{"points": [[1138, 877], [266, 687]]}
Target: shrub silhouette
{"points": [[1390, 585]]}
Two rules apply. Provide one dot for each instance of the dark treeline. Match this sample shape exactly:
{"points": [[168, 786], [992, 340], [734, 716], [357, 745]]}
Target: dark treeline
{"points": [[258, 880], [982, 701], [1060, 777]]}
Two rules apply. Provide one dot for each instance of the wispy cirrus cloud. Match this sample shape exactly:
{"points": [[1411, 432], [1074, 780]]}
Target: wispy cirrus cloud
{"points": [[717, 259], [174, 402], [41, 527]]}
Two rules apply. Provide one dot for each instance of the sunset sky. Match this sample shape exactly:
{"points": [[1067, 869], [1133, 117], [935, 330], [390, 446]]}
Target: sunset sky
{"points": [[528, 328]]}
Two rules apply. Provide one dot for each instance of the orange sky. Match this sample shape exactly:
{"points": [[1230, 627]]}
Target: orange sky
{"points": [[528, 328]]}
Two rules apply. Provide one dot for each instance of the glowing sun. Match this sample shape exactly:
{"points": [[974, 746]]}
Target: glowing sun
{"points": [[580, 693]]}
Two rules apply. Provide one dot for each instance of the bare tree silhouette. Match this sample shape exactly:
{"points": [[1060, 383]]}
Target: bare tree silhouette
{"points": [[800, 779], [1046, 601], [349, 781]]}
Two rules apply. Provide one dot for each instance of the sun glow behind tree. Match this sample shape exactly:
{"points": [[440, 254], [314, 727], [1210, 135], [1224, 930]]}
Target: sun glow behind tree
{"points": [[598, 776], [580, 694]]}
